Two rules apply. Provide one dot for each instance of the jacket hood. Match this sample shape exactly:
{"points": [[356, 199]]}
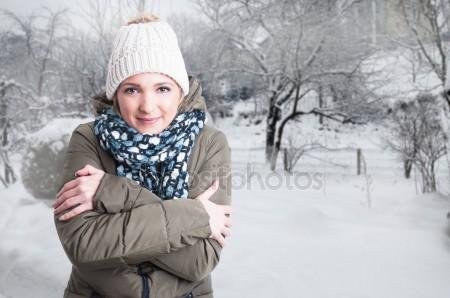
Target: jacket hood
{"points": [[194, 99]]}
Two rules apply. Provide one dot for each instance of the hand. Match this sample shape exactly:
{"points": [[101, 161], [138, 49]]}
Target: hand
{"points": [[219, 219], [78, 193]]}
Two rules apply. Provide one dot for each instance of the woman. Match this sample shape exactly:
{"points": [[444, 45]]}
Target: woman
{"points": [[143, 207]]}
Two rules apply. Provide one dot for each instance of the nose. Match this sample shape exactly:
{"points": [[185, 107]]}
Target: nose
{"points": [[147, 104]]}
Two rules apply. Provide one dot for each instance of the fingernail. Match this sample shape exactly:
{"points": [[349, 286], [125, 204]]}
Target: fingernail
{"points": [[61, 217]]}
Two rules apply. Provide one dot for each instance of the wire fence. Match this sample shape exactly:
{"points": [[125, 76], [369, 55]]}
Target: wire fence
{"points": [[342, 161]]}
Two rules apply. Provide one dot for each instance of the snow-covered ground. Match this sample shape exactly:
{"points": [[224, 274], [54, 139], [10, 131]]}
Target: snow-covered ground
{"points": [[32, 261], [307, 243], [317, 238], [340, 235]]}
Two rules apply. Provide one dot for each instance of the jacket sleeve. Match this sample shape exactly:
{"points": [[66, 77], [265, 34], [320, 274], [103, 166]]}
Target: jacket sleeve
{"points": [[196, 262], [193, 262], [149, 228]]}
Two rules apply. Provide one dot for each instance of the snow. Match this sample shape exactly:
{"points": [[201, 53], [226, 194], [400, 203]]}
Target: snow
{"points": [[327, 241], [314, 244], [318, 240], [31, 257], [57, 128]]}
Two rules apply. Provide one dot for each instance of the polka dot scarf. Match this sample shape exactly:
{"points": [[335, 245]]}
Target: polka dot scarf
{"points": [[156, 161]]}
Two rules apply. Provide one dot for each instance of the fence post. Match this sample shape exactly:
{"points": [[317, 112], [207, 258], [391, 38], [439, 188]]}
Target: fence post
{"points": [[358, 161]]}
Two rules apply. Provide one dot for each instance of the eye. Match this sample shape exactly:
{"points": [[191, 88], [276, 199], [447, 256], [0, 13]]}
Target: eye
{"points": [[163, 89], [130, 90]]}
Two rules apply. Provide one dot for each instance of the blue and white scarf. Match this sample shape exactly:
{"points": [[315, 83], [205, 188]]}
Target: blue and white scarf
{"points": [[156, 161]]}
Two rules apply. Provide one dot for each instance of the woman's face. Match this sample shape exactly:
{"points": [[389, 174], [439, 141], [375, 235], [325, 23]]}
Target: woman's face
{"points": [[148, 102]]}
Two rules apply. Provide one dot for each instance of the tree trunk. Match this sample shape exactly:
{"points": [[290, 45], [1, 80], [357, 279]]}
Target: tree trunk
{"points": [[275, 152], [407, 166], [272, 119], [320, 104], [428, 178], [432, 178], [3, 181], [9, 174], [286, 161]]}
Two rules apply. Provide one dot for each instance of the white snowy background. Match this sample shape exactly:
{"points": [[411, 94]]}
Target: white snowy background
{"points": [[338, 236]]}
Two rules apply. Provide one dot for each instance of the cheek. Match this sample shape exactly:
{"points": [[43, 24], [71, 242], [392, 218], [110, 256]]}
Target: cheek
{"points": [[170, 106], [126, 107]]}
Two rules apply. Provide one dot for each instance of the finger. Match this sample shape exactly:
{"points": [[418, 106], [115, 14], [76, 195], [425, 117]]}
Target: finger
{"points": [[69, 203], [66, 195], [69, 185], [226, 232], [74, 212], [215, 184], [220, 239], [86, 170], [208, 192], [212, 189]]}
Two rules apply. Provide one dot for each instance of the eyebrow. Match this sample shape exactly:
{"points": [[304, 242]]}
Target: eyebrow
{"points": [[157, 84], [123, 84]]}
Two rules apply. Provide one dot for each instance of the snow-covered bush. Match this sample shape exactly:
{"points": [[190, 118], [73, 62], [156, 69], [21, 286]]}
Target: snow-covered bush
{"points": [[418, 138], [43, 156], [42, 165], [296, 148]]}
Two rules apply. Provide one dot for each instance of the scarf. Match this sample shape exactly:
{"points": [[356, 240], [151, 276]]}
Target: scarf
{"points": [[156, 161]]}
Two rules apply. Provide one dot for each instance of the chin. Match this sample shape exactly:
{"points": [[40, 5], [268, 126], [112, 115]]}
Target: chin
{"points": [[146, 128]]}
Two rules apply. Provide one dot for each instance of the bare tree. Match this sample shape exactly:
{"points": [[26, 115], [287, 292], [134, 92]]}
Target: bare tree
{"points": [[290, 45], [427, 21], [418, 138], [41, 42], [296, 149], [14, 123], [429, 25]]}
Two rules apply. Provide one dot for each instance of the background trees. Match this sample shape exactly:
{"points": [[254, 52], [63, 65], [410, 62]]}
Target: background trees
{"points": [[300, 51], [291, 59], [428, 26]]}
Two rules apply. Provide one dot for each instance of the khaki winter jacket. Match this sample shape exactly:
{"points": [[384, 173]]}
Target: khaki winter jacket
{"points": [[130, 225]]}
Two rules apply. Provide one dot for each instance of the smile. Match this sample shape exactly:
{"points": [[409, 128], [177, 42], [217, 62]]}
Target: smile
{"points": [[148, 120]]}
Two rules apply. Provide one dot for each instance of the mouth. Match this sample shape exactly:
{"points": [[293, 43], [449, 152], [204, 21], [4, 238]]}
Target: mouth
{"points": [[148, 120]]}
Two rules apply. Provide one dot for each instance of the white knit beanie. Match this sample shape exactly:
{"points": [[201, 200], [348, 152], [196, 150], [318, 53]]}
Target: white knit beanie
{"points": [[145, 47]]}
